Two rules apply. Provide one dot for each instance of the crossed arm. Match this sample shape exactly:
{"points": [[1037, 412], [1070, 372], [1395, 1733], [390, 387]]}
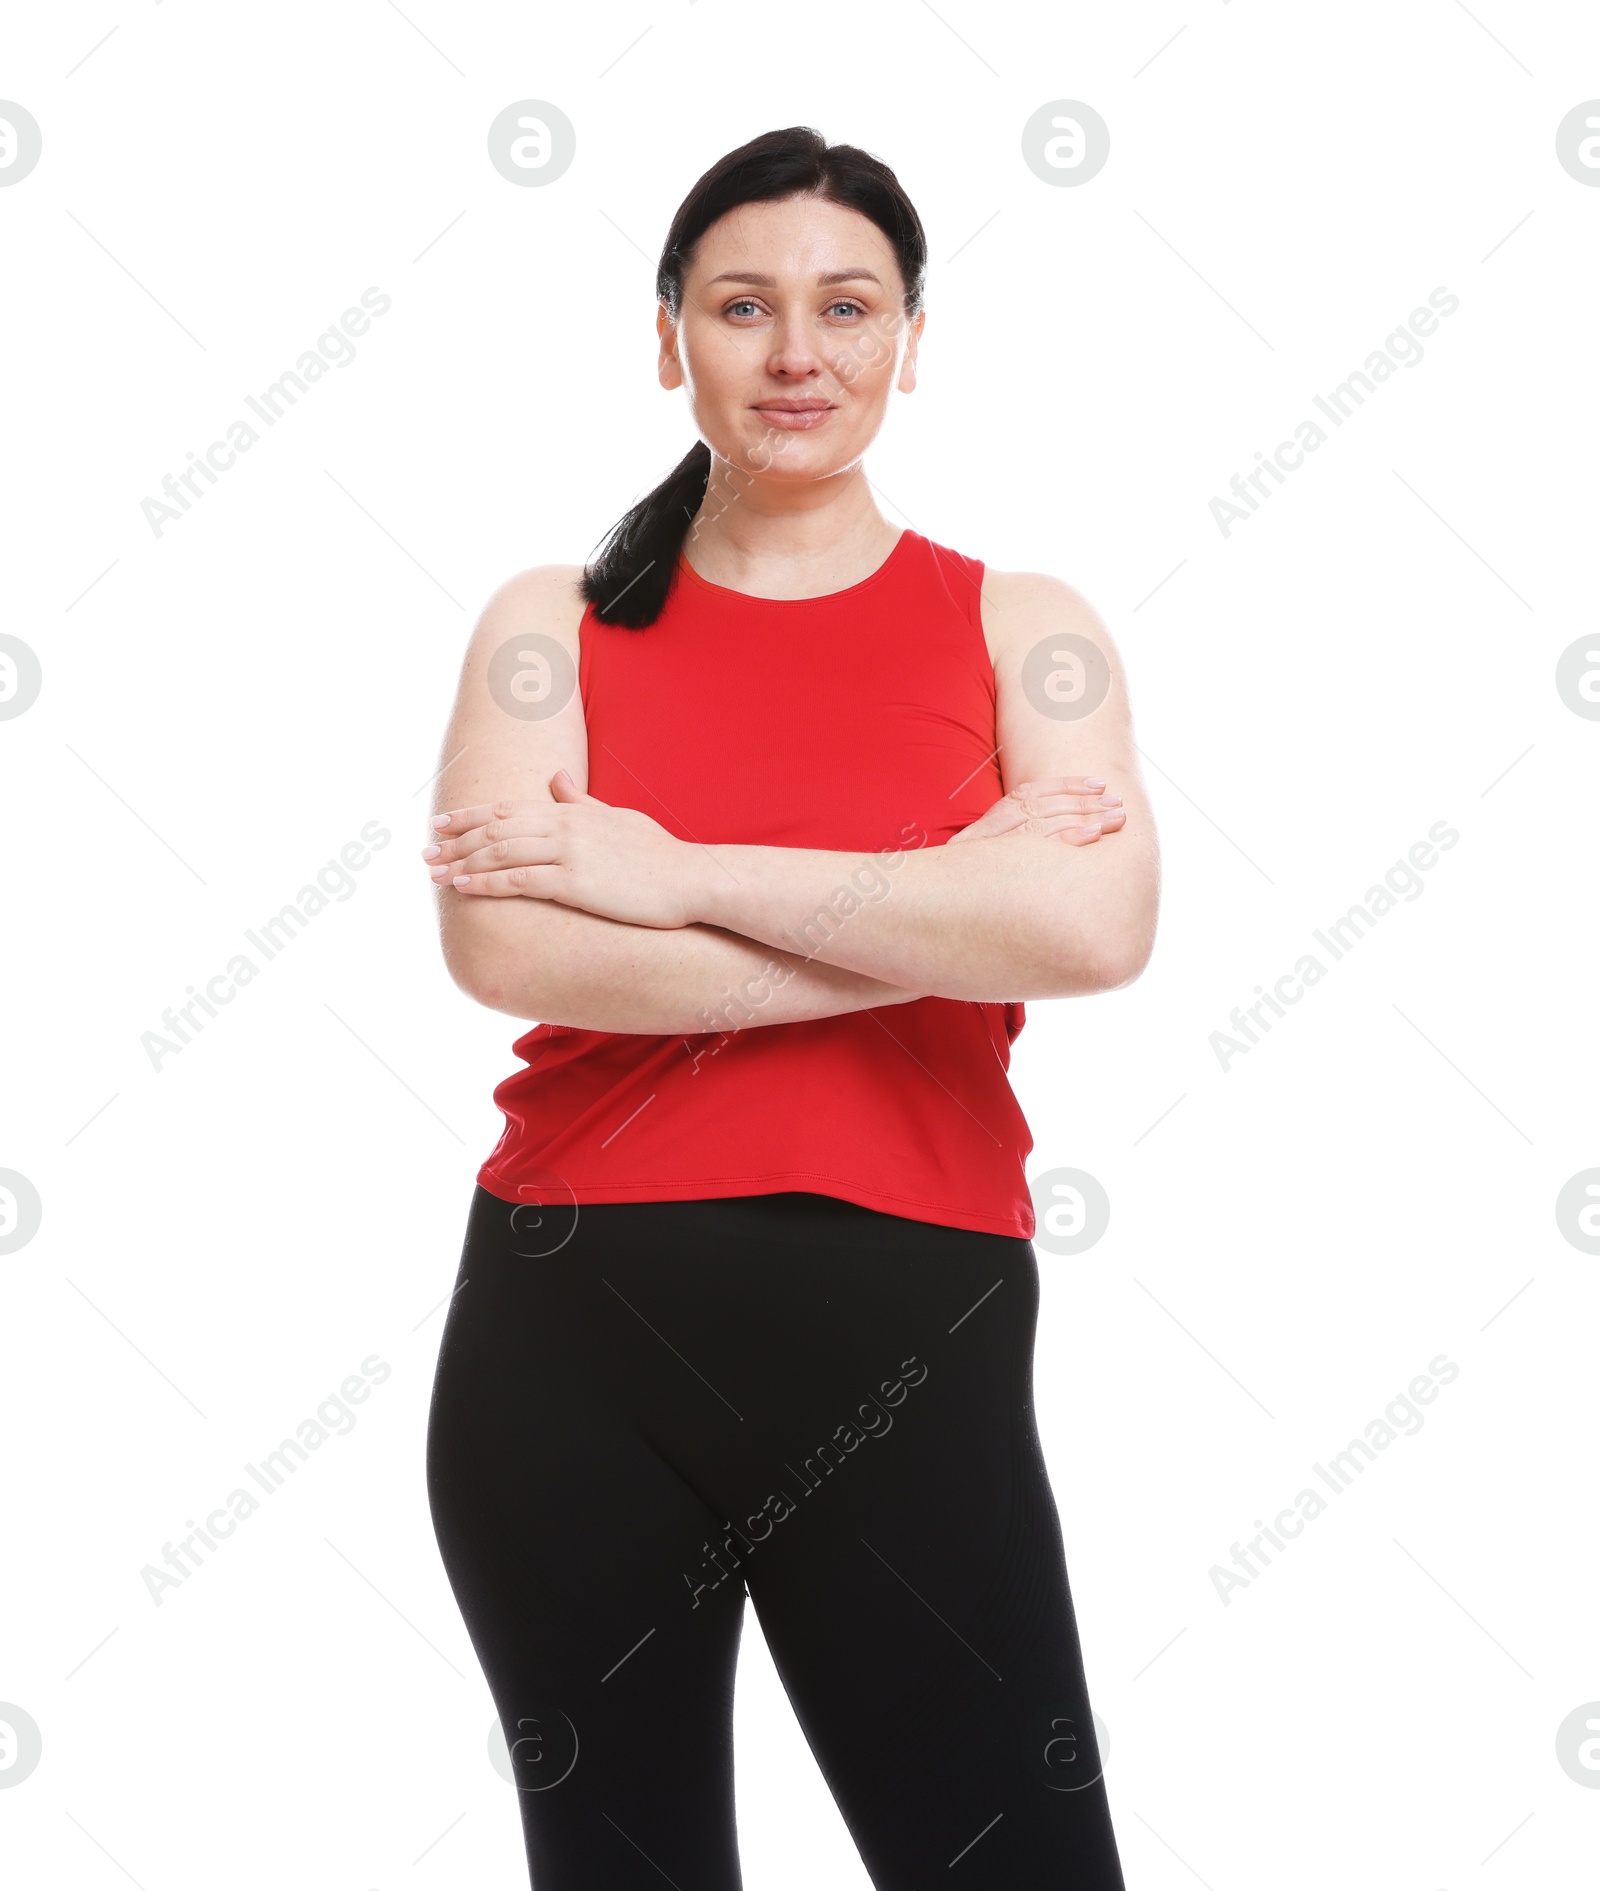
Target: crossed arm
{"points": [[556, 905]]}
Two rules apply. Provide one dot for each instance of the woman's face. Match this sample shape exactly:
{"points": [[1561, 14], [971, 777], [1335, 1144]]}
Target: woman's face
{"points": [[790, 303]]}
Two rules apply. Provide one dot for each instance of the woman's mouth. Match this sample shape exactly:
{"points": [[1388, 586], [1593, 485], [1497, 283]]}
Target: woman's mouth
{"points": [[795, 415]]}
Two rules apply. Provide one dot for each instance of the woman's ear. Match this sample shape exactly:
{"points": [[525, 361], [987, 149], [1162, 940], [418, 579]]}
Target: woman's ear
{"points": [[908, 368], [669, 370]]}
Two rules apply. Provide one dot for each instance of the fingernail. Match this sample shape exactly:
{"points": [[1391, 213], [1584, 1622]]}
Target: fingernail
{"points": [[462, 879], [1093, 781], [430, 850], [441, 820], [1111, 801]]}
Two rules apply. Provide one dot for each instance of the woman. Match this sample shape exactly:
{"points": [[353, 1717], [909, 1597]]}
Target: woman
{"points": [[747, 1299]]}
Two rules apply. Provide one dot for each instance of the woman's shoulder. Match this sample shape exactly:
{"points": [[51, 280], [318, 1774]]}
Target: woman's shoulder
{"points": [[1020, 590], [542, 586], [1034, 591], [540, 599], [1020, 607]]}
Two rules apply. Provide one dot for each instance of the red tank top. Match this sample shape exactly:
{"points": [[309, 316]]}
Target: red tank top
{"points": [[863, 720]]}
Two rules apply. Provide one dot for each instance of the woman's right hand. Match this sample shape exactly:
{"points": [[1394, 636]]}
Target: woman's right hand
{"points": [[1074, 808]]}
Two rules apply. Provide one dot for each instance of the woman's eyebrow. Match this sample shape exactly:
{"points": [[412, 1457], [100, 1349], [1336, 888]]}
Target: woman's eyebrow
{"points": [[757, 281]]}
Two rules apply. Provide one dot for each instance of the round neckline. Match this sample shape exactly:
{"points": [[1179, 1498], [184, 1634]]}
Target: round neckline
{"points": [[821, 597]]}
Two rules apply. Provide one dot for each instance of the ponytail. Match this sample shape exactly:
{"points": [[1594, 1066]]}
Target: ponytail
{"points": [[628, 579]]}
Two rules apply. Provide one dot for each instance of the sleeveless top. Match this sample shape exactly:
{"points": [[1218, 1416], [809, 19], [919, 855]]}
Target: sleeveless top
{"points": [[862, 721]]}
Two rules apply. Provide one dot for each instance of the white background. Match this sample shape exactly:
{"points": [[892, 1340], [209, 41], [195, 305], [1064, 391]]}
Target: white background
{"points": [[1292, 1240]]}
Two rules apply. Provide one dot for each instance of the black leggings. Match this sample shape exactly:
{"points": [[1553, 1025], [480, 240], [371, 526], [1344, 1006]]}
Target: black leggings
{"points": [[644, 1412]]}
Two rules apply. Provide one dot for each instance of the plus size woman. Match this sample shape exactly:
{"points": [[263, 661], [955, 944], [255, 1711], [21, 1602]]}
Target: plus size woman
{"points": [[772, 817]]}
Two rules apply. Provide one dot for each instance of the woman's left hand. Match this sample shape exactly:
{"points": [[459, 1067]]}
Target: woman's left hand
{"points": [[576, 850]]}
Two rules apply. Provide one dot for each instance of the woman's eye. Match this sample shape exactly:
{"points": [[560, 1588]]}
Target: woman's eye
{"points": [[746, 305]]}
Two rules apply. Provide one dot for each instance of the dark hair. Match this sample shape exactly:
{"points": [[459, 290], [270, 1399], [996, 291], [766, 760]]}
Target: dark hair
{"points": [[628, 579]]}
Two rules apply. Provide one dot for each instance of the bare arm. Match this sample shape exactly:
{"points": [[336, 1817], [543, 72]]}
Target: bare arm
{"points": [[536, 959], [996, 920], [1017, 917]]}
